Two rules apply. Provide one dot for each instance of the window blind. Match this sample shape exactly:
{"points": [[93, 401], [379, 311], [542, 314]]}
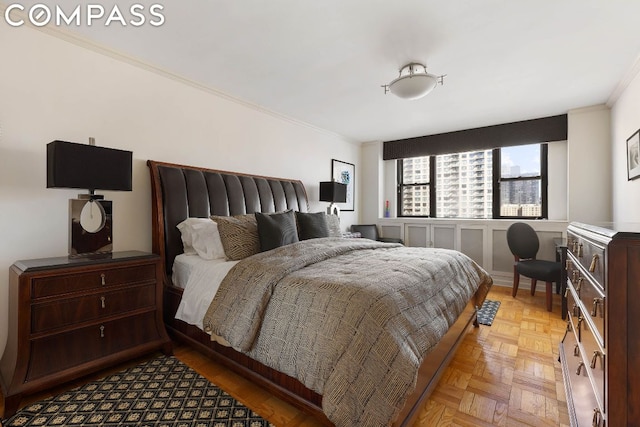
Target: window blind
{"points": [[546, 129]]}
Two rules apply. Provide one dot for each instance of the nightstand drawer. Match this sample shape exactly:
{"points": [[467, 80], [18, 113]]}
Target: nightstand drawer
{"points": [[56, 314], [57, 352], [99, 278]]}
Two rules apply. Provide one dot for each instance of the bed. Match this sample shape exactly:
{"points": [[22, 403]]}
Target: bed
{"points": [[180, 192]]}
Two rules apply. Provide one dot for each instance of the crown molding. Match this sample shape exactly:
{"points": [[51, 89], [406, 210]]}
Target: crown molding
{"points": [[80, 41], [629, 76]]}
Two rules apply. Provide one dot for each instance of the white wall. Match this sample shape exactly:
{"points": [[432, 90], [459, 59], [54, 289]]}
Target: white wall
{"points": [[53, 89], [589, 165], [625, 120]]}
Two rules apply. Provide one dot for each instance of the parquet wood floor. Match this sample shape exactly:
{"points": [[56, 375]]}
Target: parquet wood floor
{"points": [[503, 375]]}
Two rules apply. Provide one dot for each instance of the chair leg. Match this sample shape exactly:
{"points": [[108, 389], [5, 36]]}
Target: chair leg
{"points": [[533, 286], [549, 295], [516, 282]]}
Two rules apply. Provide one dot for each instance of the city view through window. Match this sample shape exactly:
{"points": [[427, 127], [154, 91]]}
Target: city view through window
{"points": [[463, 184]]}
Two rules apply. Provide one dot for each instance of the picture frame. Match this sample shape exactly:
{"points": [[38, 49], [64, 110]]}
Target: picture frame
{"points": [[633, 156], [345, 173]]}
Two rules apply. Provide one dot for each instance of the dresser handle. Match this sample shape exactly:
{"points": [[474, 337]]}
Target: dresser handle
{"points": [[102, 302], [579, 284], [580, 366], [596, 303], [580, 250], [596, 418], [102, 278], [101, 331], [576, 351], [576, 311], [568, 265], [594, 263], [574, 275], [596, 354], [574, 247]]}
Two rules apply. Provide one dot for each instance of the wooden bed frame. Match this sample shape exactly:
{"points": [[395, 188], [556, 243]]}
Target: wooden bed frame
{"points": [[179, 192]]}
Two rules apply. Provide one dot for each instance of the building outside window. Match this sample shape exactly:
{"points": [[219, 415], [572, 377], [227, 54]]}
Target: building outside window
{"points": [[463, 185]]}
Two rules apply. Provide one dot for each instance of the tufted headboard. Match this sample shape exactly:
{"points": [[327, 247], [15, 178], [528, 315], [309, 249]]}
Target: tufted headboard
{"points": [[179, 192]]}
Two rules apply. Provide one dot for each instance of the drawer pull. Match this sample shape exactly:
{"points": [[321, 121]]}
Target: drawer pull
{"points": [[576, 311], [569, 265], [574, 275], [566, 292], [596, 354], [101, 331], [576, 350], [597, 417], [574, 247], [596, 303], [580, 366], [102, 279], [580, 250], [102, 302], [594, 263], [579, 284]]}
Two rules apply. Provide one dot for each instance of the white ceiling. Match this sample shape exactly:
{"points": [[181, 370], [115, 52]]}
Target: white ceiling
{"points": [[323, 62]]}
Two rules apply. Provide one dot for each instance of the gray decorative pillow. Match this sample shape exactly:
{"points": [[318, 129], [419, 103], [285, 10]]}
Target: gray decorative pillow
{"points": [[239, 235], [312, 225], [276, 229], [333, 223]]}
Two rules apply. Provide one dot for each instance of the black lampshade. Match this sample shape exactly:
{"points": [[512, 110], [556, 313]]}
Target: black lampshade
{"points": [[333, 191], [72, 165]]}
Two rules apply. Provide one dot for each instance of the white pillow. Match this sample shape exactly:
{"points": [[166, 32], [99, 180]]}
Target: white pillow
{"points": [[200, 236]]}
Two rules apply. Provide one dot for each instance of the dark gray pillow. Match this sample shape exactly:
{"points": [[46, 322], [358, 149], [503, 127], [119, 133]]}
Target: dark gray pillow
{"points": [[312, 225], [275, 230]]}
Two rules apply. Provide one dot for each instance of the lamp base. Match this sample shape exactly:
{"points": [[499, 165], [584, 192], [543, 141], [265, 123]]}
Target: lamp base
{"points": [[333, 209], [90, 227]]}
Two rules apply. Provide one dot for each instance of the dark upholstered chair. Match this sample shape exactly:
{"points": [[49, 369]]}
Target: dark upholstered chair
{"points": [[524, 244], [370, 231]]}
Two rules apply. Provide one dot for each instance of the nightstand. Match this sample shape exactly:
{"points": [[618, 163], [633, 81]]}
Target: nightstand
{"points": [[72, 316]]}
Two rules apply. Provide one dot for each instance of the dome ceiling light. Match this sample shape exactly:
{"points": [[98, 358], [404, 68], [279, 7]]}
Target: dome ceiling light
{"points": [[413, 82]]}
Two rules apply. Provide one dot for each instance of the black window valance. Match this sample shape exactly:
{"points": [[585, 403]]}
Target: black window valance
{"points": [[534, 131]]}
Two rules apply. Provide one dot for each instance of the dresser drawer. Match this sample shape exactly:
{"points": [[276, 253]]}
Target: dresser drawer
{"points": [[582, 399], [594, 354], [590, 255], [57, 352], [56, 314], [593, 301], [69, 283]]}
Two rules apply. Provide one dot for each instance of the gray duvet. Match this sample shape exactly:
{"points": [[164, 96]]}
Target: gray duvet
{"points": [[352, 319]]}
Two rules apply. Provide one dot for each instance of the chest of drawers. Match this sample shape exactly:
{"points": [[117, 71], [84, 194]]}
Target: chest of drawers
{"points": [[69, 317], [600, 353]]}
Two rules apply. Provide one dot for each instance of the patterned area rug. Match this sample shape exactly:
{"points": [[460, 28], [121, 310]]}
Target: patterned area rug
{"points": [[159, 392], [487, 312]]}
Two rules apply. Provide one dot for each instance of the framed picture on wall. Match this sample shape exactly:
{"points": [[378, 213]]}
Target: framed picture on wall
{"points": [[633, 156], [345, 173]]}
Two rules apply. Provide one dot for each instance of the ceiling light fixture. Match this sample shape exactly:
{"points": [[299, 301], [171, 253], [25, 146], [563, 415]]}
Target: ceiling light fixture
{"points": [[414, 82]]}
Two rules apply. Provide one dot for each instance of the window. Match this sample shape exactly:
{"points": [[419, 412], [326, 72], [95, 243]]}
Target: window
{"points": [[522, 182], [415, 190], [507, 182]]}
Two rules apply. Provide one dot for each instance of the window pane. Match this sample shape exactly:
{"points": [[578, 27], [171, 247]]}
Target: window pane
{"points": [[463, 185], [522, 160], [521, 198], [415, 170], [415, 200]]}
